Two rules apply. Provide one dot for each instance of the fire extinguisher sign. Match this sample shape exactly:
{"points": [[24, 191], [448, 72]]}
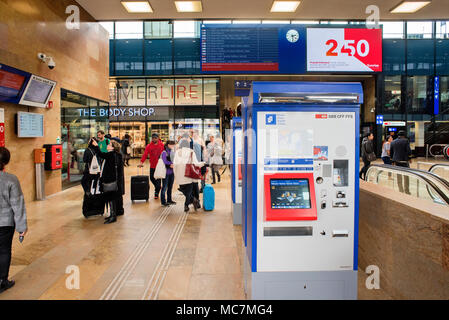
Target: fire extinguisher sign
{"points": [[2, 127]]}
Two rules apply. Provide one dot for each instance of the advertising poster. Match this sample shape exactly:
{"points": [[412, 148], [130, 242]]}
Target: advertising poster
{"points": [[344, 50]]}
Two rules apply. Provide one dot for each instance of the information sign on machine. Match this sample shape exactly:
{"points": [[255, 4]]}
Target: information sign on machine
{"points": [[2, 127]]}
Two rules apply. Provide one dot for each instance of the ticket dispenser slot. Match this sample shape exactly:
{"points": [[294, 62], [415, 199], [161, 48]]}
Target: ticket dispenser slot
{"points": [[290, 197]]}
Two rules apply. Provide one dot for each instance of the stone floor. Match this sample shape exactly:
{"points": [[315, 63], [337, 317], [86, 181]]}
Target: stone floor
{"points": [[151, 253]]}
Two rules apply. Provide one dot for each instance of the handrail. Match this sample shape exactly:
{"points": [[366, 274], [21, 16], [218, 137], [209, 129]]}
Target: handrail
{"points": [[424, 175], [438, 165]]}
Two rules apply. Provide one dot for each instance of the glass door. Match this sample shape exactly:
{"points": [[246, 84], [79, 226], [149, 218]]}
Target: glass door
{"points": [[136, 130]]}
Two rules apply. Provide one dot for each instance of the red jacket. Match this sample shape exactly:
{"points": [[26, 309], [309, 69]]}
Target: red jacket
{"points": [[154, 150]]}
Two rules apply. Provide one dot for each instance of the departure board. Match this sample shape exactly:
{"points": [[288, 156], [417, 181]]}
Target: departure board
{"points": [[252, 49]]}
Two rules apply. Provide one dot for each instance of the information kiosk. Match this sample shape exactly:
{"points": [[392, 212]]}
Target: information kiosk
{"points": [[302, 150], [236, 170]]}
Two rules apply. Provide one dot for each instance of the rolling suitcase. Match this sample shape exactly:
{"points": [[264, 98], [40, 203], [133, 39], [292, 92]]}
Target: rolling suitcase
{"points": [[140, 188], [93, 205], [208, 198]]}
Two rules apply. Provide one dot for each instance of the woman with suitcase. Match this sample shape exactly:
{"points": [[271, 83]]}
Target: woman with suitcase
{"points": [[184, 157], [112, 180]]}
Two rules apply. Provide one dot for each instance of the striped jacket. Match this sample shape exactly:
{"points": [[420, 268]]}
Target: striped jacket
{"points": [[12, 203]]}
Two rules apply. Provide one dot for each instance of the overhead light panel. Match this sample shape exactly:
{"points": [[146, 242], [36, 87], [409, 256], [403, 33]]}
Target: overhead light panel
{"points": [[189, 6], [137, 6], [275, 21], [409, 6], [285, 6], [246, 21]]}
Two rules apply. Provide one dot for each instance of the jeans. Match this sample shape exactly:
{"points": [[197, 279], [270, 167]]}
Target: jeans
{"points": [[6, 236], [365, 168], [155, 182], [215, 171], [187, 190], [387, 160], [167, 186]]}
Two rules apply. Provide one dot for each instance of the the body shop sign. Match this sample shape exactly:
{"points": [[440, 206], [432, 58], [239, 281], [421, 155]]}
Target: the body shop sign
{"points": [[344, 50], [130, 112]]}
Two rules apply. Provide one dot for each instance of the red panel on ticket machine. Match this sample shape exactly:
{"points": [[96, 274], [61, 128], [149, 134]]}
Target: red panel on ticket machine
{"points": [[53, 156], [290, 197]]}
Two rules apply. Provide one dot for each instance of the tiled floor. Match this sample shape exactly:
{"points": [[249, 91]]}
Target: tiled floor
{"points": [[151, 253]]}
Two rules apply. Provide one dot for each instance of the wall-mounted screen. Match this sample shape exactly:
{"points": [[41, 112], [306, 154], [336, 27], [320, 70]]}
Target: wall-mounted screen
{"points": [[12, 83], [344, 50], [38, 92], [267, 49], [30, 125]]}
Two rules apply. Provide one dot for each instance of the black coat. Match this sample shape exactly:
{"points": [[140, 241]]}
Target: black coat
{"points": [[111, 174]]}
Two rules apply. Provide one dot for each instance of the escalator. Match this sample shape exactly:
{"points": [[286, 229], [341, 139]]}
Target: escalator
{"points": [[420, 184], [441, 170]]}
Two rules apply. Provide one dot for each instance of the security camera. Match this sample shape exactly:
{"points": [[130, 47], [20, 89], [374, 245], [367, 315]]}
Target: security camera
{"points": [[51, 63], [48, 60]]}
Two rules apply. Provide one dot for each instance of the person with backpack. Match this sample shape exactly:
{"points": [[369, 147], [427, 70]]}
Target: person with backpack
{"points": [[368, 154], [167, 183], [112, 177]]}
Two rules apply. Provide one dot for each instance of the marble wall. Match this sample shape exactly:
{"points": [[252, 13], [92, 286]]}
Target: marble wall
{"points": [[28, 27], [408, 239]]}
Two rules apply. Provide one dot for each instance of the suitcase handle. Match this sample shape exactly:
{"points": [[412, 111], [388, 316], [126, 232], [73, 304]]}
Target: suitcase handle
{"points": [[140, 171]]}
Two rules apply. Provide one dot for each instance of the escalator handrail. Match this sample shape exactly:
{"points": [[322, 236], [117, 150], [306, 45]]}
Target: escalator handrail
{"points": [[419, 173], [438, 165]]}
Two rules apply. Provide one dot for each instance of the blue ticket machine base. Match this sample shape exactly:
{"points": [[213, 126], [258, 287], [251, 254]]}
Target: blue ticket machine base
{"points": [[236, 170], [301, 190]]}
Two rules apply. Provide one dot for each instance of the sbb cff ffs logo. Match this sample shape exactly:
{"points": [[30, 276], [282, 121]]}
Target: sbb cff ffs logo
{"points": [[333, 116]]}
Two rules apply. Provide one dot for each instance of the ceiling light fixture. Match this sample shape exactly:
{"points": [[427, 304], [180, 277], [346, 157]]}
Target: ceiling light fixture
{"points": [[137, 6], [409, 6], [189, 6], [285, 6]]}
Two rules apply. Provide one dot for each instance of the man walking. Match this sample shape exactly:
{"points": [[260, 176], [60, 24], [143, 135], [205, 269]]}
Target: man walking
{"points": [[154, 150], [368, 154], [400, 153]]}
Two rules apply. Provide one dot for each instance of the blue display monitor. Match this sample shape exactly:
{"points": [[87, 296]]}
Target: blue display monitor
{"points": [[254, 49], [12, 83]]}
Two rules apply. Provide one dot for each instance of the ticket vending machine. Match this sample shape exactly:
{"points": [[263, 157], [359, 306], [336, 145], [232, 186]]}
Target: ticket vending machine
{"points": [[236, 170], [302, 164]]}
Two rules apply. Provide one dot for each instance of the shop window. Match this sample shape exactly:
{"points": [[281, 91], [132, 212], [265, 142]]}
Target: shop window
{"points": [[187, 56], [160, 92], [131, 93], [442, 57], [392, 29], [129, 30], [158, 29], [444, 95], [392, 94], [189, 92], [129, 57], [211, 92], [419, 94], [158, 57], [419, 29], [442, 29], [420, 57], [109, 26], [393, 56], [186, 29]]}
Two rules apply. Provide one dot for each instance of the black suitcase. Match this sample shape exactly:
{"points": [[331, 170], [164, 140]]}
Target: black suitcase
{"points": [[140, 188], [93, 205]]}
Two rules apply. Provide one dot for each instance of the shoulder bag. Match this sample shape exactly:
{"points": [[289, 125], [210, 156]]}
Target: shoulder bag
{"points": [[192, 171], [112, 186]]}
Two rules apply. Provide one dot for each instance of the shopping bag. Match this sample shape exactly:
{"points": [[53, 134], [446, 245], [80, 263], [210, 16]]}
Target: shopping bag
{"points": [[161, 170]]}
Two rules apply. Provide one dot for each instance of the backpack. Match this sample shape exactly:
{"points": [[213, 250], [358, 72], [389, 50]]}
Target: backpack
{"points": [[94, 167]]}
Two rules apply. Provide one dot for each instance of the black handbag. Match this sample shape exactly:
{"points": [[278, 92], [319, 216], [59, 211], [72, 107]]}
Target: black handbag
{"points": [[112, 186]]}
